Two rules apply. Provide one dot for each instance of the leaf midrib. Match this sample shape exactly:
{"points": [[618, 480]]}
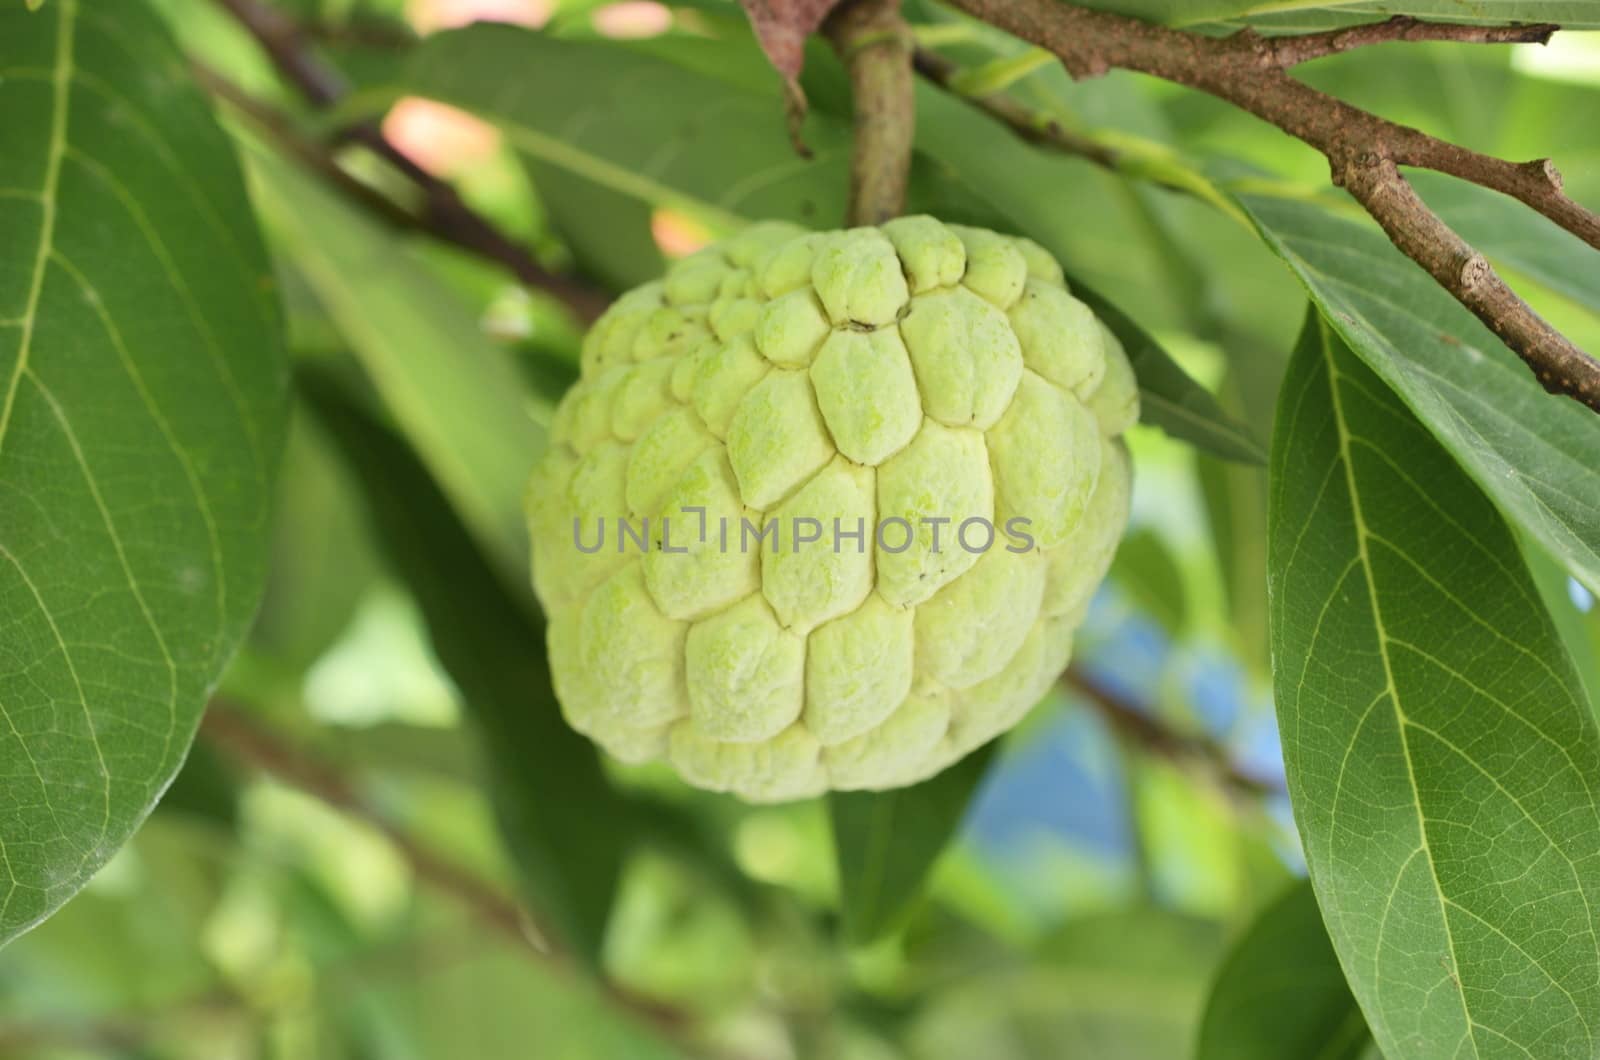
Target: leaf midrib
{"points": [[1390, 689], [61, 98], [61, 81]]}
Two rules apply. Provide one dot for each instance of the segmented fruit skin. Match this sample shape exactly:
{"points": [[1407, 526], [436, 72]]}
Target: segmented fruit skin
{"points": [[917, 370]]}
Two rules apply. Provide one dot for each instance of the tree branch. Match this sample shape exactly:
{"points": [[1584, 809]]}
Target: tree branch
{"points": [[240, 737], [1363, 150], [247, 741], [1033, 126], [1156, 737], [1030, 125], [445, 215], [275, 126], [1293, 50], [873, 40]]}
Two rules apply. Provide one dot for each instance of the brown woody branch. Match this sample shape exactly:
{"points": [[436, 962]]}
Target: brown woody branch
{"points": [[1154, 736], [1293, 50], [444, 215], [875, 43], [1364, 151]]}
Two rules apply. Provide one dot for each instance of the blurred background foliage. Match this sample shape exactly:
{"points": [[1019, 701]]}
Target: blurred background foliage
{"points": [[353, 900]]}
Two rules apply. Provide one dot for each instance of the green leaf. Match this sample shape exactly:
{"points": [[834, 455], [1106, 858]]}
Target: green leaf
{"points": [[1537, 455], [885, 843], [560, 818], [640, 125], [142, 400], [1146, 570], [1441, 759], [1123, 984], [1280, 992], [1580, 631], [608, 232], [321, 560], [1236, 516], [457, 396], [1168, 397]]}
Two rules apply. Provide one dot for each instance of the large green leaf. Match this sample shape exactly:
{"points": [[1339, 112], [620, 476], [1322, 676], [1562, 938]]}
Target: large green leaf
{"points": [[1536, 454], [142, 398], [885, 843], [456, 394], [1441, 758], [545, 780], [1280, 992]]}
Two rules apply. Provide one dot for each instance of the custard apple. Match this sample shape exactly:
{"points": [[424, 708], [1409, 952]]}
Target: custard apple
{"points": [[824, 508]]}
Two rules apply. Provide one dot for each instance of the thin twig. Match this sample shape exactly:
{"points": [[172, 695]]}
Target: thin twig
{"points": [[276, 126], [118, 1034], [1293, 50], [1364, 151], [360, 32], [1028, 124], [249, 742], [1152, 734], [246, 740], [445, 214], [873, 40], [1033, 126], [286, 45]]}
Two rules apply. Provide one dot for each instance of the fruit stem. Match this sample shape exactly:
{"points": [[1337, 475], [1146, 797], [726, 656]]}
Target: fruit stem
{"points": [[876, 45]]}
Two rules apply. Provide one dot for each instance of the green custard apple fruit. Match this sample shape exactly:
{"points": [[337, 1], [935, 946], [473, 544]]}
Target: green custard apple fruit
{"points": [[824, 508]]}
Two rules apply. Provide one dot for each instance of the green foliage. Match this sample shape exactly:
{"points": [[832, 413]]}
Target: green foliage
{"points": [[1280, 992], [659, 128], [142, 401], [413, 337], [887, 841], [1127, 984], [1404, 583], [1146, 570], [1440, 750], [544, 779], [1537, 456], [1168, 398]]}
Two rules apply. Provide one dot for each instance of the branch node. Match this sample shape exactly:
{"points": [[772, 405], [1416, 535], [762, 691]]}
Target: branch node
{"points": [[1474, 272], [1545, 169], [1087, 67]]}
